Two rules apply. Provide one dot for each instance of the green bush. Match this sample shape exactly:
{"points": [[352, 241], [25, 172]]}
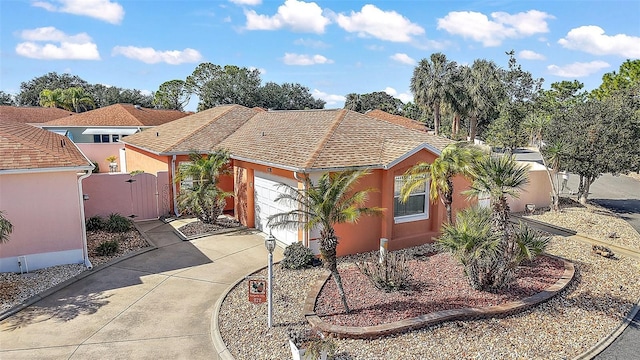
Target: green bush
{"points": [[95, 223], [392, 274], [297, 256], [118, 223], [107, 248]]}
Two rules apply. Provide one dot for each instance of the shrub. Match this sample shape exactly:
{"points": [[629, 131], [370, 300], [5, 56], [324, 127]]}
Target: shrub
{"points": [[297, 256], [392, 274], [95, 223], [118, 223], [107, 248]]}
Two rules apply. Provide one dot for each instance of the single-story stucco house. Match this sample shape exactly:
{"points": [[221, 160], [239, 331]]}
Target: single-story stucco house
{"points": [[41, 177], [272, 147]]}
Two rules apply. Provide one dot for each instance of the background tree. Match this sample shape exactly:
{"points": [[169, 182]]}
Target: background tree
{"points": [[215, 85], [521, 91], [6, 228], [77, 99], [455, 159], [432, 84], [602, 136], [204, 199], [628, 76], [288, 96], [378, 100], [172, 95], [29, 94], [485, 91], [412, 111], [330, 201], [52, 98], [6, 99]]}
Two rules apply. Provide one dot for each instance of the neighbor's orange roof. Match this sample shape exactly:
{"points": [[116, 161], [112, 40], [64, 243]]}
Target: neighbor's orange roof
{"points": [[397, 119], [31, 114], [24, 146], [120, 115]]}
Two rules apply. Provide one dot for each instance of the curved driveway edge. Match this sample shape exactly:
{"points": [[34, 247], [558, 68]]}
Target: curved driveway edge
{"points": [[434, 318]]}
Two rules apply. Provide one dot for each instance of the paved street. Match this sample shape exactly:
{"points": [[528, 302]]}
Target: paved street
{"points": [[157, 305]]}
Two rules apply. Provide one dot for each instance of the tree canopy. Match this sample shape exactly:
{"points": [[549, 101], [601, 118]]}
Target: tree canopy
{"points": [[378, 100]]}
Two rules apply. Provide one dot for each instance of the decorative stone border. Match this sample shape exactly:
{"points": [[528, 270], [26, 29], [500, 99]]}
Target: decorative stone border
{"points": [[370, 332]]}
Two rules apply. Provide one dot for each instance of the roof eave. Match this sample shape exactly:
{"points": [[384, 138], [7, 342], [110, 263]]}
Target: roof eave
{"points": [[47, 170], [423, 146]]}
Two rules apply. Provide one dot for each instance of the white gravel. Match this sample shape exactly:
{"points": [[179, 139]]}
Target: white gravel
{"points": [[592, 307]]}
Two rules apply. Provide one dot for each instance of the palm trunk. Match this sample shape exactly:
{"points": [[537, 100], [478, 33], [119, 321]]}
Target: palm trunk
{"points": [[328, 245], [436, 118], [473, 128], [555, 194], [447, 199]]}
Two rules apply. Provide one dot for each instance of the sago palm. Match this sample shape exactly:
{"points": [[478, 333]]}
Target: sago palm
{"points": [[330, 201], [455, 159]]}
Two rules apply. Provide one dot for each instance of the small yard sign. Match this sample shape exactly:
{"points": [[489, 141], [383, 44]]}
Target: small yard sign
{"points": [[257, 291]]}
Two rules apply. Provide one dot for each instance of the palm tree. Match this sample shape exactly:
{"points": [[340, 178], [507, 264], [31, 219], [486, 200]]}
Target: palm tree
{"points": [[330, 201], [51, 98], [6, 228], [432, 84], [555, 153], [76, 99], [484, 90], [455, 159], [499, 177], [204, 199]]}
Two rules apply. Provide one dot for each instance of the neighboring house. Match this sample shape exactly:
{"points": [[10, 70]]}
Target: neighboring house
{"points": [[272, 147], [98, 131], [41, 194], [31, 114]]}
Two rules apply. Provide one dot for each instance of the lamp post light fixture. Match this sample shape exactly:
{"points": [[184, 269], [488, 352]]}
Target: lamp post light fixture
{"points": [[270, 244]]}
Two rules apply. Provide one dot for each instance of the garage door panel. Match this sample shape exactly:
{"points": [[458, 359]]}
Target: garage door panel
{"points": [[266, 190]]}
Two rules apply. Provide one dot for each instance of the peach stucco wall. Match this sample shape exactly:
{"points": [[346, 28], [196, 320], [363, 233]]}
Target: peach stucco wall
{"points": [[537, 191], [142, 160], [366, 233], [44, 209], [99, 152]]}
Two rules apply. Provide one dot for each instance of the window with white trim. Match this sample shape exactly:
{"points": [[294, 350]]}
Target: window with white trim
{"points": [[187, 181], [417, 205]]}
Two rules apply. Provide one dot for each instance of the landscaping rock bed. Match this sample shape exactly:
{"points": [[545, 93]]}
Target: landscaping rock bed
{"points": [[198, 228]]}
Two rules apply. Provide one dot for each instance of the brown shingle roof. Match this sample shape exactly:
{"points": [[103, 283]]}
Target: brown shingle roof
{"points": [[200, 132], [397, 119], [300, 139], [29, 114], [323, 139], [27, 147], [120, 115]]}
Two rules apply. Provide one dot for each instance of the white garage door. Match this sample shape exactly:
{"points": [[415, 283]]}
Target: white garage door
{"points": [[265, 191]]}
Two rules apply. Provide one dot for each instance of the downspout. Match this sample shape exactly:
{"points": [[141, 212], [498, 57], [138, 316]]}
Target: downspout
{"points": [[85, 251], [173, 185], [305, 232]]}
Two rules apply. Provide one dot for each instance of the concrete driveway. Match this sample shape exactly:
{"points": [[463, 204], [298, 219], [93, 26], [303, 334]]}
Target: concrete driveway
{"points": [[157, 305]]}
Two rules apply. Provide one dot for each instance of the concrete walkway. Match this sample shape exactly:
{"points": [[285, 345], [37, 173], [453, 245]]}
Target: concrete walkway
{"points": [[157, 305]]}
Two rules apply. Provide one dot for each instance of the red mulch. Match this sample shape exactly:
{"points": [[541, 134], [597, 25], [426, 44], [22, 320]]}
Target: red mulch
{"points": [[438, 284]]}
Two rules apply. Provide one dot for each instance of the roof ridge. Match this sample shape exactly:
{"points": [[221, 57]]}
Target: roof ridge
{"points": [[312, 159], [125, 108], [207, 123]]}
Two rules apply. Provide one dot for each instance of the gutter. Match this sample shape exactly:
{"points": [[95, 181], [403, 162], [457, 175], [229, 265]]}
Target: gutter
{"points": [[85, 251], [47, 170]]}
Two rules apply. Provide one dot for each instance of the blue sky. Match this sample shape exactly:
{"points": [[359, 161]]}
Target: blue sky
{"points": [[332, 47]]}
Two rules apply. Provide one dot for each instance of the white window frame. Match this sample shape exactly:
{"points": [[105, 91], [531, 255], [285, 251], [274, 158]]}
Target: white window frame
{"points": [[187, 182], [415, 217]]}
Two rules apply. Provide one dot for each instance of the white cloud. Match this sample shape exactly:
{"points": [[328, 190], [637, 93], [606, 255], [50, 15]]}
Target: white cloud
{"points": [[246, 2], [304, 59], [477, 26], [375, 47], [531, 55], [404, 97], [384, 25], [261, 70], [151, 56], [577, 69], [329, 98], [403, 58], [296, 15], [592, 39], [104, 10], [316, 44], [69, 47]]}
